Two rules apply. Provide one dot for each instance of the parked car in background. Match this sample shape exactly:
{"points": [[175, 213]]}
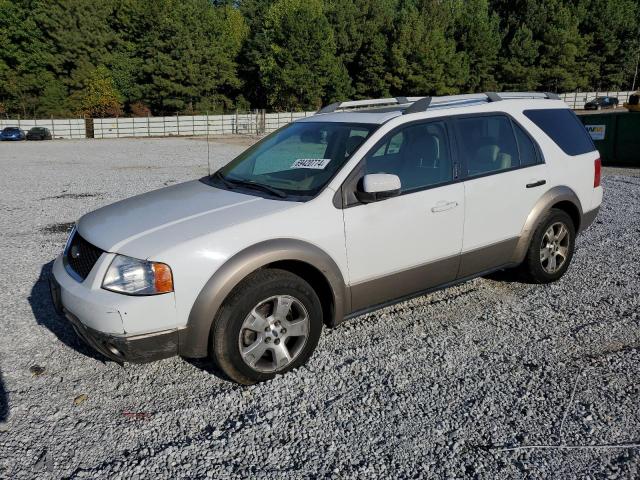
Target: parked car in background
{"points": [[599, 103], [12, 133], [39, 133], [362, 205]]}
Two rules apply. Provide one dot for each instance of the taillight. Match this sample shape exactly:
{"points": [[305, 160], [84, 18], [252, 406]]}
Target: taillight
{"points": [[597, 173]]}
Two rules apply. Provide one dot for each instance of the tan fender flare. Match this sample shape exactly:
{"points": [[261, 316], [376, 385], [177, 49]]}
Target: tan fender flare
{"points": [[194, 339], [545, 203]]}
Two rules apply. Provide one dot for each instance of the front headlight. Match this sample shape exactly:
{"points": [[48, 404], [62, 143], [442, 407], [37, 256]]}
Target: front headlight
{"points": [[137, 277]]}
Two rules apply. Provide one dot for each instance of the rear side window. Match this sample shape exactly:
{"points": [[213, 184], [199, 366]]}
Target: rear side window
{"points": [[564, 128], [487, 144]]}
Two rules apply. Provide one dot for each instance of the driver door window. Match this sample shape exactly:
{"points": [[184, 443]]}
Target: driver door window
{"points": [[418, 154]]}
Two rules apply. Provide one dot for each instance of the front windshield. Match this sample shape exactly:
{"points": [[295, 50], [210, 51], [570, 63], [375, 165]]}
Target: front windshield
{"points": [[297, 160]]}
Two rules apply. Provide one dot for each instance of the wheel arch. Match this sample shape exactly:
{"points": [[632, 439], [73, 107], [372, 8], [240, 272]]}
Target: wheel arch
{"points": [[296, 256], [561, 197]]}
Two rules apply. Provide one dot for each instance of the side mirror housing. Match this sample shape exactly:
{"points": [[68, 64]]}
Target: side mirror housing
{"points": [[378, 186]]}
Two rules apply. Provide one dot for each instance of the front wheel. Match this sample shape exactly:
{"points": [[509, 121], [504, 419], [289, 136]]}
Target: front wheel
{"points": [[270, 324], [551, 248]]}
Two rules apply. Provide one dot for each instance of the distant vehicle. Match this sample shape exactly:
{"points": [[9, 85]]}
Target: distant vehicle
{"points": [[12, 133], [633, 105], [599, 103], [39, 133]]}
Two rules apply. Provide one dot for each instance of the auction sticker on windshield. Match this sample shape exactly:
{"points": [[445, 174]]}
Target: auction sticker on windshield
{"points": [[317, 163]]}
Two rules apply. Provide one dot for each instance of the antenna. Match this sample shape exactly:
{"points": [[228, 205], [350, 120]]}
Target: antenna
{"points": [[208, 157]]}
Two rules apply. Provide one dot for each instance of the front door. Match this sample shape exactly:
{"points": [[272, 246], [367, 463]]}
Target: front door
{"points": [[405, 244]]}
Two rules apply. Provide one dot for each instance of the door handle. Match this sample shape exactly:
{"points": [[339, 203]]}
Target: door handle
{"points": [[536, 184], [443, 206]]}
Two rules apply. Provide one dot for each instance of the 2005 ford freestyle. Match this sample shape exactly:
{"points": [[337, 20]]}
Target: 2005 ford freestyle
{"points": [[361, 205]]}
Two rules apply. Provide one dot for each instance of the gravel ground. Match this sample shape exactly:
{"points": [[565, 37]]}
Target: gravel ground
{"points": [[487, 380]]}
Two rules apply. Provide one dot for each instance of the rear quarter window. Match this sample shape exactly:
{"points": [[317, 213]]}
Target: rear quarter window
{"points": [[564, 128]]}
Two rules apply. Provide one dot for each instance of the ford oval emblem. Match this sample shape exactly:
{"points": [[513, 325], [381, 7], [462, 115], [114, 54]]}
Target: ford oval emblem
{"points": [[75, 252]]}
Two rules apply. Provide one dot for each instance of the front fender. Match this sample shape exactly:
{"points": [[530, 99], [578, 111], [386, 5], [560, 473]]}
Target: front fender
{"points": [[194, 339]]}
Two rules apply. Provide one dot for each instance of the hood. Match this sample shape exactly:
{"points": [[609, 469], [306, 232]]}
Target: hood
{"points": [[145, 224]]}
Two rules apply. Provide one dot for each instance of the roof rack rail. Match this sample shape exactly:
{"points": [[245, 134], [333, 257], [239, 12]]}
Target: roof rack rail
{"points": [[376, 102], [420, 104], [451, 101]]}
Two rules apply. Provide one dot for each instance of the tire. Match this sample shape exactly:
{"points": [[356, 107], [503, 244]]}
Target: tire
{"points": [[248, 329], [538, 266]]}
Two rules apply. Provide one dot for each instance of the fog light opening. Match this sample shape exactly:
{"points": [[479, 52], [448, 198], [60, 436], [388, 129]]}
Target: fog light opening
{"points": [[114, 350]]}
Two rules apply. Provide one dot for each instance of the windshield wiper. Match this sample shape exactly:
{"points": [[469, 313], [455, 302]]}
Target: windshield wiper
{"points": [[232, 182], [258, 186], [223, 179]]}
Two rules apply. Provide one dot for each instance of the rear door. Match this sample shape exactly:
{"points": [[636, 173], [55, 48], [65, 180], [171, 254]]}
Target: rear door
{"points": [[504, 178]]}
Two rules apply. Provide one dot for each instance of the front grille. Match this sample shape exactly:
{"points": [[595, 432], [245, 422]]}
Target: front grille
{"points": [[81, 256]]}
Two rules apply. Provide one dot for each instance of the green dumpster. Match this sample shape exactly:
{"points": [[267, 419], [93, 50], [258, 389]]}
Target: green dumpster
{"points": [[616, 135]]}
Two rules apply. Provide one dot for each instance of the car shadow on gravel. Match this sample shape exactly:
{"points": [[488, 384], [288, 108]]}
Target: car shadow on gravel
{"points": [[4, 401], [509, 275], [208, 366], [45, 315]]}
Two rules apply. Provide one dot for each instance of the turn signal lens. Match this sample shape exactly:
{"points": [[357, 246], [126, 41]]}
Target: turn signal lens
{"points": [[163, 278], [597, 173], [137, 277]]}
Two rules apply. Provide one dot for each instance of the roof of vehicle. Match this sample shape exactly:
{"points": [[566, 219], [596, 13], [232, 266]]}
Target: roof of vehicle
{"points": [[11, 128], [378, 111]]}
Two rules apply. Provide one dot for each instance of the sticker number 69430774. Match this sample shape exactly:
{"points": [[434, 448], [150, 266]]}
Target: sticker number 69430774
{"points": [[316, 163]]}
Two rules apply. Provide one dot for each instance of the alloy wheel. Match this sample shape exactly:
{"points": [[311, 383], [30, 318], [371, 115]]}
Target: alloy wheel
{"points": [[554, 249], [274, 333]]}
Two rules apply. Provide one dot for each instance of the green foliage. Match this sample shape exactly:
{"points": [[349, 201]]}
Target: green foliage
{"points": [[362, 29], [182, 56], [424, 60], [479, 38], [298, 65], [98, 97]]}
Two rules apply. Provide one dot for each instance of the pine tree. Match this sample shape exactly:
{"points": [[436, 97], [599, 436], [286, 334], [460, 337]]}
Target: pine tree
{"points": [[479, 38], [189, 55], [361, 29], [298, 67], [424, 60], [612, 41]]}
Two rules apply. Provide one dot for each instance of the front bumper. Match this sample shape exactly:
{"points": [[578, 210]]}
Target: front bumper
{"points": [[102, 327]]}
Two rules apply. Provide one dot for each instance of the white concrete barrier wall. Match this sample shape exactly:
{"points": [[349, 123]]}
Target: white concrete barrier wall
{"points": [[60, 128], [200, 125], [577, 100], [174, 126]]}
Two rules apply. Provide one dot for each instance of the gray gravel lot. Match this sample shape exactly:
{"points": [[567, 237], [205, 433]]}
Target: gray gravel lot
{"points": [[487, 380]]}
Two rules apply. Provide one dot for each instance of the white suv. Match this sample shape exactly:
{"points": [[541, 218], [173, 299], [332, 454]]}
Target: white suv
{"points": [[364, 204]]}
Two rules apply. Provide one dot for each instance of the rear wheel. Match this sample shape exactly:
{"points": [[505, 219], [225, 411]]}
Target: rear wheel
{"points": [[270, 324], [551, 248]]}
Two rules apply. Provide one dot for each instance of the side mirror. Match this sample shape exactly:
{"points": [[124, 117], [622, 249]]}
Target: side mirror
{"points": [[378, 186]]}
